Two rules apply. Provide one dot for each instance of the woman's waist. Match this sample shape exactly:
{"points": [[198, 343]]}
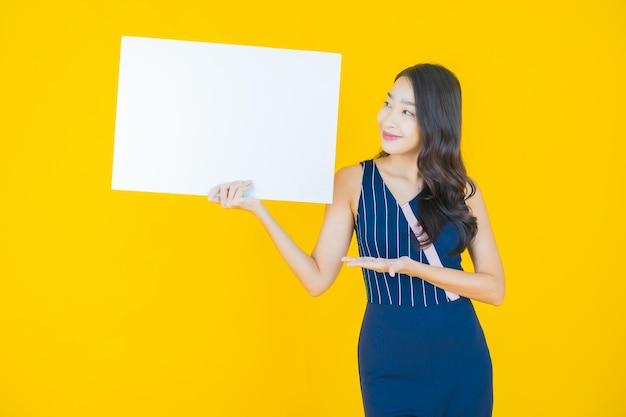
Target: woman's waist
{"points": [[403, 291]]}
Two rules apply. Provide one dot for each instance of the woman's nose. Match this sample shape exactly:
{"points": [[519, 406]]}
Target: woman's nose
{"points": [[390, 119]]}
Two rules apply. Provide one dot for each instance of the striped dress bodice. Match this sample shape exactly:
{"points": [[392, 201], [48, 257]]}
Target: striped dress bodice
{"points": [[383, 232]]}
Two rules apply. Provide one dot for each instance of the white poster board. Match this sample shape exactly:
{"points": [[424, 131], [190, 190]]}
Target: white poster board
{"points": [[191, 115]]}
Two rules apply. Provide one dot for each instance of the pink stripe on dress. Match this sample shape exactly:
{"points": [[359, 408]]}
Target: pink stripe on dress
{"points": [[429, 251]]}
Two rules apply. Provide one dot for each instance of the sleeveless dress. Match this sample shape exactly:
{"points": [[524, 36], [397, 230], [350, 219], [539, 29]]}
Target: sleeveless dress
{"points": [[421, 354]]}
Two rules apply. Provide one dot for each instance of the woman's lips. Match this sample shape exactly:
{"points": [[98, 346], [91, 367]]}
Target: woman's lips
{"points": [[389, 136]]}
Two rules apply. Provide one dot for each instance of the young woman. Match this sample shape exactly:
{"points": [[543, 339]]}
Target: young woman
{"points": [[422, 351]]}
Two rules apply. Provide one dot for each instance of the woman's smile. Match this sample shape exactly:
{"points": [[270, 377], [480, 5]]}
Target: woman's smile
{"points": [[389, 136]]}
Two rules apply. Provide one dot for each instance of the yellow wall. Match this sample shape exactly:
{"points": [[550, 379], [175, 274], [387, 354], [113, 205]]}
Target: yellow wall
{"points": [[136, 304]]}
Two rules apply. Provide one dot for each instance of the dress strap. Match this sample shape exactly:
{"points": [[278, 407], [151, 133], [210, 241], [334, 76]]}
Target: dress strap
{"points": [[429, 251]]}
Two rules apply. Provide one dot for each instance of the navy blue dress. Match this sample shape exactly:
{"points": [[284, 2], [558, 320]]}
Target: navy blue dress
{"points": [[421, 354]]}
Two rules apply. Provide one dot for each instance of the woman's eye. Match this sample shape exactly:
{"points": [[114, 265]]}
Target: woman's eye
{"points": [[408, 113], [386, 104]]}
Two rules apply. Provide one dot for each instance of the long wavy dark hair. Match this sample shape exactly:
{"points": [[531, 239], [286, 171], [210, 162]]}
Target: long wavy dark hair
{"points": [[446, 184]]}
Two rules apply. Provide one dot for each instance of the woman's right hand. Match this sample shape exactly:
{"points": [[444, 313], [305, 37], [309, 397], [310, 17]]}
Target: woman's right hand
{"points": [[230, 195]]}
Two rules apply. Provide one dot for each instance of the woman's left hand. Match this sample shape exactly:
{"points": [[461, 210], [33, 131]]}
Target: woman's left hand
{"points": [[392, 266]]}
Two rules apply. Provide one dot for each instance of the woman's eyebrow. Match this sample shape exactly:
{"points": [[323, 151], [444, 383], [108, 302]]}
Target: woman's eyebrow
{"points": [[410, 103]]}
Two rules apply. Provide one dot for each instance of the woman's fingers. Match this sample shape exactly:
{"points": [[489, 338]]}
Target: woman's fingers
{"points": [[214, 194], [230, 194], [238, 194], [363, 261], [227, 195], [376, 264], [224, 194]]}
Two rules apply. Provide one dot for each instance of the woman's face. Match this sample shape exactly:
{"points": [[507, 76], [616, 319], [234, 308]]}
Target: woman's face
{"points": [[397, 120]]}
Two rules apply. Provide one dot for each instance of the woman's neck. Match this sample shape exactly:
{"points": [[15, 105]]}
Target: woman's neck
{"points": [[402, 165]]}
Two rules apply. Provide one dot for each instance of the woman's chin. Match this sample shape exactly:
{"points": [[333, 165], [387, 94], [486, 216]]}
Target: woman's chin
{"points": [[395, 148]]}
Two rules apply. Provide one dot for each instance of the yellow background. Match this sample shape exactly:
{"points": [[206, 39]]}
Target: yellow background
{"points": [[137, 304]]}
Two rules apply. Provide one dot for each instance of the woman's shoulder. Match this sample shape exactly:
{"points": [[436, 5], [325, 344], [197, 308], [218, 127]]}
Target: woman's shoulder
{"points": [[473, 195], [350, 175], [348, 181]]}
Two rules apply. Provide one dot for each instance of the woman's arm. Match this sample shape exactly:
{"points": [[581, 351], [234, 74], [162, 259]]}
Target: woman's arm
{"points": [[485, 284], [317, 271]]}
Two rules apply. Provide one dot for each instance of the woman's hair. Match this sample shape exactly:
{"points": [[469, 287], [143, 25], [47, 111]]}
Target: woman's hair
{"points": [[438, 100]]}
